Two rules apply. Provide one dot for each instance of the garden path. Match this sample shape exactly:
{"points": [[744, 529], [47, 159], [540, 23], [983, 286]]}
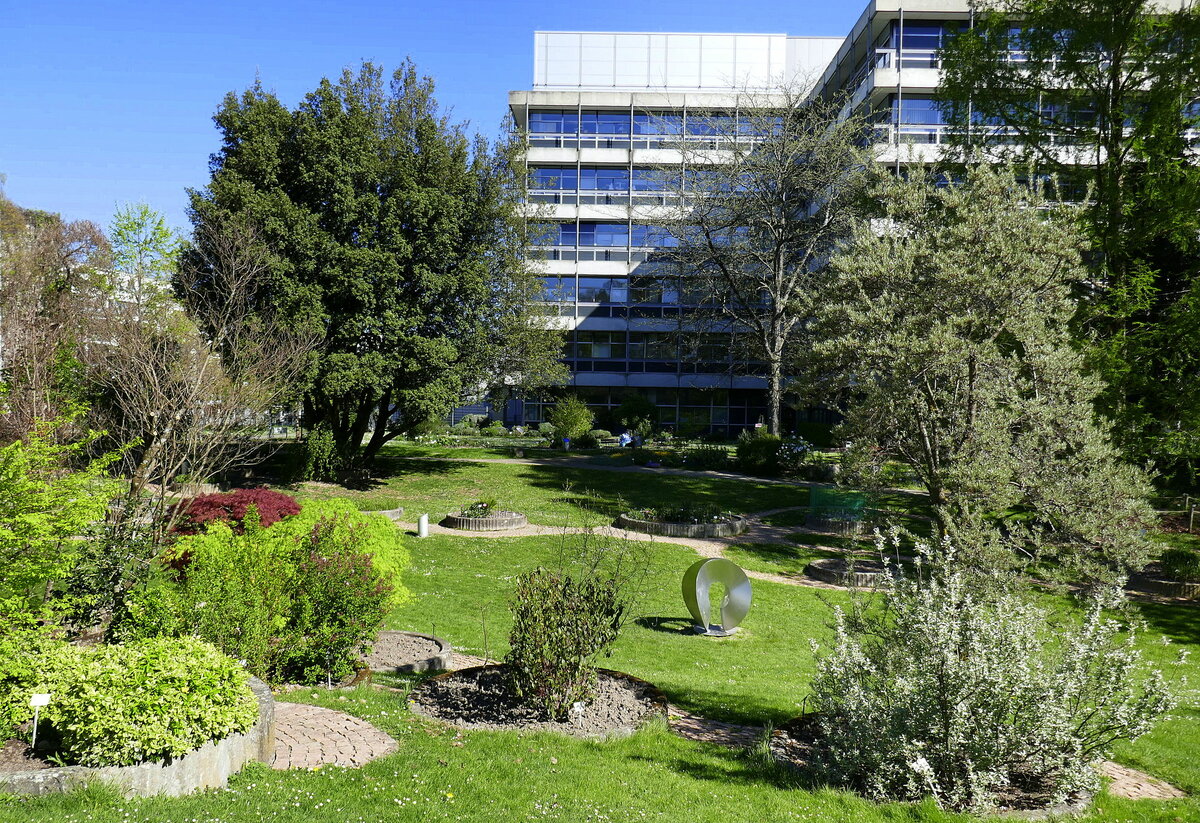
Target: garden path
{"points": [[308, 737]]}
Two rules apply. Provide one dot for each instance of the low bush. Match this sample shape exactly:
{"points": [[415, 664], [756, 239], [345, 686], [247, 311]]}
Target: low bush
{"points": [[321, 458], [246, 593], [494, 430], [586, 441], [969, 692], [116, 705], [24, 645], [560, 624], [339, 600], [600, 434], [231, 507], [480, 508], [571, 418], [758, 452], [706, 458], [1181, 564]]}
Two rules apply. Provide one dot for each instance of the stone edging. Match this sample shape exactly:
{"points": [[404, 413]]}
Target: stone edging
{"points": [[834, 570], [204, 768], [840, 526], [736, 525], [440, 661], [658, 700], [491, 523], [395, 515], [1163, 585]]}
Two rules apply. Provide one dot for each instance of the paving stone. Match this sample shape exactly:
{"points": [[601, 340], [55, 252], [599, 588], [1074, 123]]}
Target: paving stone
{"points": [[309, 736], [1135, 785]]}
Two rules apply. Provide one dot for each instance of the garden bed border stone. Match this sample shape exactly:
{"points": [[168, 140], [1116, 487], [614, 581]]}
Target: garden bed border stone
{"points": [[729, 528], [207, 767], [501, 521]]}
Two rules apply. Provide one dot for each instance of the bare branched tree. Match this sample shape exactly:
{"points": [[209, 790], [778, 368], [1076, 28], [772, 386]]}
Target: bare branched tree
{"points": [[50, 274], [190, 382], [768, 187]]}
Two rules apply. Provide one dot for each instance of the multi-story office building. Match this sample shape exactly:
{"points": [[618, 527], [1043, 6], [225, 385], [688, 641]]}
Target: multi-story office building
{"points": [[604, 110]]}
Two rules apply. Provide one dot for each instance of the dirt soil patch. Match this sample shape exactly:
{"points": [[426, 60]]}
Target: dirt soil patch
{"points": [[17, 756], [393, 650], [479, 698]]}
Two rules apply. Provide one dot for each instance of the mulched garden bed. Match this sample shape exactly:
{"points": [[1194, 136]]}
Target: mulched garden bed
{"points": [[478, 698], [396, 652]]}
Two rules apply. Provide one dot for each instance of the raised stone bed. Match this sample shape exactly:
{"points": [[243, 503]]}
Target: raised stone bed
{"points": [[479, 698], [409, 652], [866, 573], [833, 524], [208, 767], [395, 515], [497, 522], [726, 528], [1157, 584]]}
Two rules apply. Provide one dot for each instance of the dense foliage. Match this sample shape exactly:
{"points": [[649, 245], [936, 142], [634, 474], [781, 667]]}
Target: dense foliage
{"points": [[399, 244], [571, 419], [949, 338], [46, 510], [1103, 96], [972, 694], [560, 624], [302, 599], [116, 705], [195, 513]]}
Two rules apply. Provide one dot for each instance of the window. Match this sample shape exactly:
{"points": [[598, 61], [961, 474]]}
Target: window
{"points": [[604, 122], [603, 290], [555, 178], [917, 111], [603, 179], [553, 122], [600, 345], [603, 234], [656, 123], [558, 290]]}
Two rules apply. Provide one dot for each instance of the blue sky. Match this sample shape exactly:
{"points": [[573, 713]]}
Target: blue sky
{"points": [[111, 102]]}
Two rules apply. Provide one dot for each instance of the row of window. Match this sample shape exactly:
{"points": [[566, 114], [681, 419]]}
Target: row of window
{"points": [[626, 124], [633, 345], [612, 235], [587, 178]]}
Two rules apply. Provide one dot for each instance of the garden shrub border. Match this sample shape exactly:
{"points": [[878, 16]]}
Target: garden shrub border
{"points": [[735, 525], [207, 767], [501, 521]]}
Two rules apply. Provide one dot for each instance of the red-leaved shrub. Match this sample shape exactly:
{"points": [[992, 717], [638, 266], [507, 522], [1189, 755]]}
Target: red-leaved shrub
{"points": [[197, 512]]}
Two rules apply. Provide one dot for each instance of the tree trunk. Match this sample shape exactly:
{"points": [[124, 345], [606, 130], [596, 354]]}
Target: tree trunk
{"points": [[774, 394]]}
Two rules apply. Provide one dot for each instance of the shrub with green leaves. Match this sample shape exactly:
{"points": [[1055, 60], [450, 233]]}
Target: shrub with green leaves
{"points": [[260, 596], [706, 457], [24, 644], [321, 458], [116, 705], [560, 624], [44, 509], [571, 418], [969, 692], [339, 600], [758, 452]]}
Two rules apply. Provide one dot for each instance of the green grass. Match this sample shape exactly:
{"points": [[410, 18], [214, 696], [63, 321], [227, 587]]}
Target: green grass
{"points": [[777, 558], [541, 492], [461, 586], [1177, 540]]}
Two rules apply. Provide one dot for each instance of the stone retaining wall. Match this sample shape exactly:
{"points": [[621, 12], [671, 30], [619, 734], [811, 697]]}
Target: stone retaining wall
{"points": [[207, 767], [833, 524], [834, 570], [729, 528], [492, 523]]}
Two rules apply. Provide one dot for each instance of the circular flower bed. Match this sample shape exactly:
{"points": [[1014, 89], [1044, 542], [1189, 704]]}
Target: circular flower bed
{"points": [[396, 652], [862, 573], [687, 521], [481, 698], [494, 522]]}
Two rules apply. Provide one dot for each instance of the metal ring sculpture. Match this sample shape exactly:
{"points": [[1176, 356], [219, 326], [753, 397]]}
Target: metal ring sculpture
{"points": [[696, 582]]}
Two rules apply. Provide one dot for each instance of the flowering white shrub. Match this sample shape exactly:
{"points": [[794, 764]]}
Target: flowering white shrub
{"points": [[970, 693]]}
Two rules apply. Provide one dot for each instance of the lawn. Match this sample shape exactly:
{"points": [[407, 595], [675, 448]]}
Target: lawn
{"points": [[460, 590], [548, 494]]}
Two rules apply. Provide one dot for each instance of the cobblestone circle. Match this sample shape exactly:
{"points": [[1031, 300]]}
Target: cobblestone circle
{"points": [[309, 736]]}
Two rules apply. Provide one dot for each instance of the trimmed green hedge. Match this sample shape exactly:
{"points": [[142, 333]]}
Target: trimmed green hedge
{"points": [[146, 701]]}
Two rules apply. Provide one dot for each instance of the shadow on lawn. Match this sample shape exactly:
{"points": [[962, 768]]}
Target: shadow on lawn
{"points": [[1178, 621], [669, 625]]}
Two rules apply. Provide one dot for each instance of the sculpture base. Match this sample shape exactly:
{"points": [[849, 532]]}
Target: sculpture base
{"points": [[714, 631]]}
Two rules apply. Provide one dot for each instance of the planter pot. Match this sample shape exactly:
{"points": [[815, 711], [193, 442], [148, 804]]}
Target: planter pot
{"points": [[726, 528], [500, 521], [207, 767]]}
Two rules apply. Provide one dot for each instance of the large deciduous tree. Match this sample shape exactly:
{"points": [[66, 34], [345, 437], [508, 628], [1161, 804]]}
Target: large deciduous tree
{"points": [[399, 243], [767, 187], [1103, 94], [946, 320]]}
